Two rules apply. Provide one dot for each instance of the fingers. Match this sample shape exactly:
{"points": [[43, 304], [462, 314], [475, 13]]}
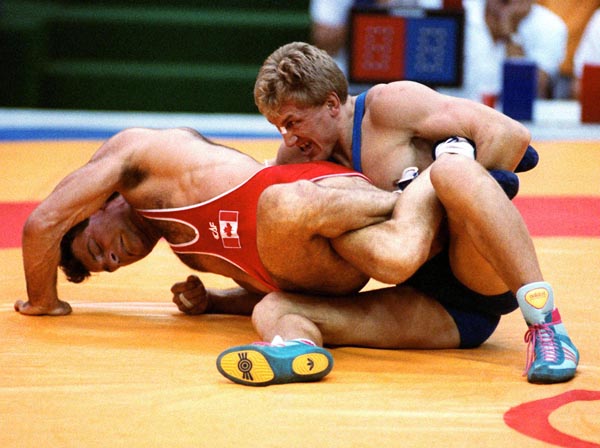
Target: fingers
{"points": [[194, 280], [184, 301], [190, 296], [190, 283], [60, 308]]}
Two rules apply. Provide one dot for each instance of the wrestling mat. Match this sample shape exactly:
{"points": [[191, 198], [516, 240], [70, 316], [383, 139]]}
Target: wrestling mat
{"points": [[126, 369]]}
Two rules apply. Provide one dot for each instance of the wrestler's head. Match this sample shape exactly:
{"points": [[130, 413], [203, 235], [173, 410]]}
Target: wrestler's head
{"points": [[300, 89], [112, 237]]}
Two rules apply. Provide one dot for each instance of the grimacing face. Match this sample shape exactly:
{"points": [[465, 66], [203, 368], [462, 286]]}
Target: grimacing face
{"points": [[312, 130], [113, 238]]}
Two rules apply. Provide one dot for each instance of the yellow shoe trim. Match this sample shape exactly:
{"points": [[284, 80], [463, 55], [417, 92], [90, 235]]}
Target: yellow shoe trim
{"points": [[537, 297], [310, 364], [247, 366]]}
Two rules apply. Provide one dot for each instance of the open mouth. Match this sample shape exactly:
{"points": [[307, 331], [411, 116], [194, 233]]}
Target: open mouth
{"points": [[305, 147]]}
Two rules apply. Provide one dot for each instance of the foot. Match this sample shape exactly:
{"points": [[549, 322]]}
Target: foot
{"points": [[263, 364], [551, 356]]}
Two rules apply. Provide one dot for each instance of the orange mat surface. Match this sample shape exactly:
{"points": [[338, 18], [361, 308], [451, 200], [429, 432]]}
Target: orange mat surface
{"points": [[127, 369]]}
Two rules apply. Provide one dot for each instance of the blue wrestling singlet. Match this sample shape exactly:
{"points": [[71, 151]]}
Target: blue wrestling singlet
{"points": [[359, 113], [476, 315]]}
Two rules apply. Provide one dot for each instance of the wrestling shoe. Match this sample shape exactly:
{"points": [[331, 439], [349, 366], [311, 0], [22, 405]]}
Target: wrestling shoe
{"points": [[529, 161], [508, 180], [408, 175], [551, 356], [263, 363]]}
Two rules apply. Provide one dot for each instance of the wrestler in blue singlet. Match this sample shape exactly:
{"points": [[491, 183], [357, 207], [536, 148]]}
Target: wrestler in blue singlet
{"points": [[476, 315]]}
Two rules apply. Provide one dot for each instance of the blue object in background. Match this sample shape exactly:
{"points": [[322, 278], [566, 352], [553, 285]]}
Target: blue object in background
{"points": [[431, 50], [519, 88]]}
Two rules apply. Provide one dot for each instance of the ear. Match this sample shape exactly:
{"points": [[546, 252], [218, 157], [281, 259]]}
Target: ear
{"points": [[333, 103]]}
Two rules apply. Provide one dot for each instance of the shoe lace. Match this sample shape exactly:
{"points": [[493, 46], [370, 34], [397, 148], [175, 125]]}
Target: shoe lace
{"points": [[540, 342]]}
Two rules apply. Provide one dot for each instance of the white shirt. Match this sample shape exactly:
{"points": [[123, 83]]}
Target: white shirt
{"points": [[588, 50], [542, 34]]}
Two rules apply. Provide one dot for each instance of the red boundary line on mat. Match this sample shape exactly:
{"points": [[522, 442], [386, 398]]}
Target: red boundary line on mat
{"points": [[14, 215], [533, 418], [545, 216], [561, 215]]}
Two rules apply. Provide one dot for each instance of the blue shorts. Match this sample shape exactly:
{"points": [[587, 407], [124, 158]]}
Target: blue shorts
{"points": [[476, 315]]}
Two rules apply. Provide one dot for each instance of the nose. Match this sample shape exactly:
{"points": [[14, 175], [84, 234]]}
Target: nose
{"points": [[290, 139], [111, 262]]}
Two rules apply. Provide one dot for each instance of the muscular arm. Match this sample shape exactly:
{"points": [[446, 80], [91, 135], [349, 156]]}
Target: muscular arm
{"points": [[393, 250], [200, 300], [501, 141], [74, 199]]}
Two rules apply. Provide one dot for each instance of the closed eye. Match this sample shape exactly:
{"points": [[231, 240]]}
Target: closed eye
{"points": [[124, 247], [94, 249]]}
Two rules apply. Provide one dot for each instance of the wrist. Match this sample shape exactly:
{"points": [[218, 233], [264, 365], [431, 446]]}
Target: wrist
{"points": [[514, 46], [210, 301]]}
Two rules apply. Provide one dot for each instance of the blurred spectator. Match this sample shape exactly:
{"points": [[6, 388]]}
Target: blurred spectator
{"points": [[575, 14], [330, 23], [588, 50], [501, 29]]}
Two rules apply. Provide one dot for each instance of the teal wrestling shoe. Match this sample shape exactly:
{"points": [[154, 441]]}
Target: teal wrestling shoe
{"points": [[263, 363], [551, 355]]}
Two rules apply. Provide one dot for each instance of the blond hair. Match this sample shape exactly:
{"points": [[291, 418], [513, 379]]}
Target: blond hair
{"points": [[299, 73]]}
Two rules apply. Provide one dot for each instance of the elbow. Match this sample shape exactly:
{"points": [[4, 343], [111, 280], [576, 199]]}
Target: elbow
{"points": [[402, 264], [520, 135], [42, 224], [524, 135], [34, 225]]}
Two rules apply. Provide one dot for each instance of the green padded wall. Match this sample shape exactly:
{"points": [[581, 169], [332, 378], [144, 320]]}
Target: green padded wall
{"points": [[139, 55]]}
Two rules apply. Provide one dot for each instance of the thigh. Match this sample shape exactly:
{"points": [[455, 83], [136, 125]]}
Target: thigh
{"points": [[292, 248], [469, 266], [398, 317]]}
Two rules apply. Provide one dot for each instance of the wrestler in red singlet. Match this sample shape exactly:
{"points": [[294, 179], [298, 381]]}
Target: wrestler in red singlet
{"points": [[225, 226]]}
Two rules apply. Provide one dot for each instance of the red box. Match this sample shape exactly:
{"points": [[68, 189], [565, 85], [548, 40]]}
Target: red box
{"points": [[378, 47], [590, 94]]}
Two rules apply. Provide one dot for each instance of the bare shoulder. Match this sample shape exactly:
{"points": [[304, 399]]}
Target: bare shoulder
{"points": [[388, 103], [399, 91], [140, 140]]}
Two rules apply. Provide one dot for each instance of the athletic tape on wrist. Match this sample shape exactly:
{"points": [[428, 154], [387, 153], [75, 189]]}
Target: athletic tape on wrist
{"points": [[455, 145]]}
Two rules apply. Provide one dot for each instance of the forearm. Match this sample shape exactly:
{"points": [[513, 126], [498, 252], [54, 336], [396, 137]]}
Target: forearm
{"points": [[40, 261], [339, 208], [501, 141], [237, 301], [392, 251]]}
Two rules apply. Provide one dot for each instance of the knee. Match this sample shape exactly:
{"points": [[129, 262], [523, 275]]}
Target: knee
{"points": [[452, 174], [266, 313], [449, 168], [401, 263]]}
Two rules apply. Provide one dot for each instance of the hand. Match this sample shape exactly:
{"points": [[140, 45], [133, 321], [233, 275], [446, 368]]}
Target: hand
{"points": [[503, 17], [59, 308], [190, 296]]}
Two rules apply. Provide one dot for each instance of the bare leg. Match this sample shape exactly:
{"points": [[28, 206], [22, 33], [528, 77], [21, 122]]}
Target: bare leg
{"points": [[296, 222], [486, 230], [484, 223], [398, 317]]}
